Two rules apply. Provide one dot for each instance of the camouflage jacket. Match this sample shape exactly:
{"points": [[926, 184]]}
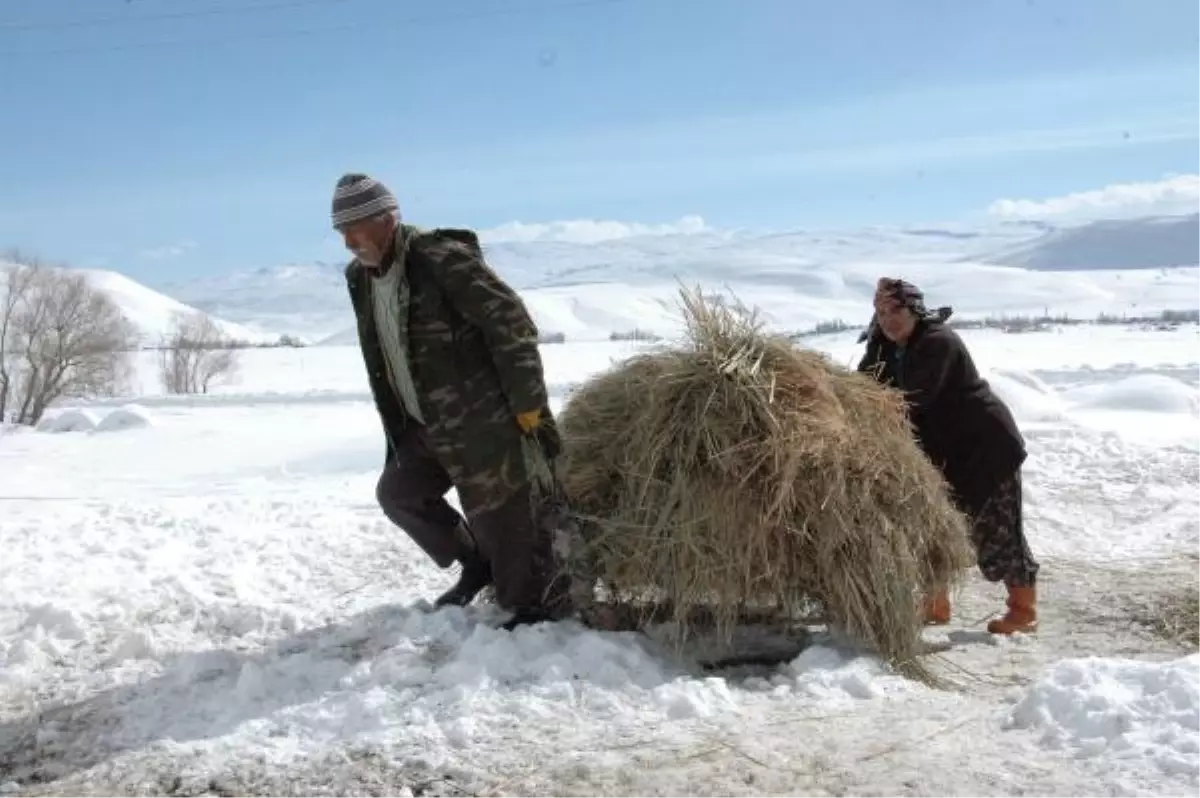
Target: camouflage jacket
{"points": [[474, 356]]}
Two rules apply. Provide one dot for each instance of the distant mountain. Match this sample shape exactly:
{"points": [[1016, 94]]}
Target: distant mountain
{"points": [[152, 313], [1147, 243], [591, 288], [310, 301]]}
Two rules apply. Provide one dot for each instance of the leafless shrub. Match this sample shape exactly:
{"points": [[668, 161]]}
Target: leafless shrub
{"points": [[195, 355], [59, 337]]}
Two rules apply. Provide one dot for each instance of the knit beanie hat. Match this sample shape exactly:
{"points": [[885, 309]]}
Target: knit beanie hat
{"points": [[359, 197]]}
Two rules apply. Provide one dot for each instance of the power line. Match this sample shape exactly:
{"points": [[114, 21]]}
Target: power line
{"points": [[212, 12], [414, 21]]}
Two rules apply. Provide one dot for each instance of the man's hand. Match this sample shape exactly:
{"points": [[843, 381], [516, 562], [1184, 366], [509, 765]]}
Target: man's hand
{"points": [[529, 421]]}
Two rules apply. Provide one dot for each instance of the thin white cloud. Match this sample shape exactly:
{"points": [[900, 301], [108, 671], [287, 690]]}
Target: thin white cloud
{"points": [[170, 251], [1175, 194], [590, 231]]}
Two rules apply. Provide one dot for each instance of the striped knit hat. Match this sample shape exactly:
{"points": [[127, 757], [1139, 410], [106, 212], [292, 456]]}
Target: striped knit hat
{"points": [[359, 197]]}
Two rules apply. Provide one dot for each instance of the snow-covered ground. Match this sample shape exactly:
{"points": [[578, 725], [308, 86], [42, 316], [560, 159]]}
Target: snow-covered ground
{"points": [[201, 595]]}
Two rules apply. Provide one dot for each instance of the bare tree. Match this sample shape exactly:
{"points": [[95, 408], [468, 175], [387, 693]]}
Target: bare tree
{"points": [[196, 354], [59, 337], [16, 289]]}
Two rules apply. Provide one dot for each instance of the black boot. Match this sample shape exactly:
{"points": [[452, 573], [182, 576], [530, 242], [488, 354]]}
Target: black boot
{"points": [[476, 573], [475, 576], [556, 605]]}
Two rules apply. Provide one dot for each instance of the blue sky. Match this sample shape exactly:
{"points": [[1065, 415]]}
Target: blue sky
{"points": [[171, 138]]}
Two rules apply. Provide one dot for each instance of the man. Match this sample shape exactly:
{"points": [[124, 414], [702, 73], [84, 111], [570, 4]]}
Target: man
{"points": [[454, 368], [968, 432]]}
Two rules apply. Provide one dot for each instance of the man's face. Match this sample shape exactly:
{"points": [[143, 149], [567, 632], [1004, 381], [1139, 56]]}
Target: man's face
{"points": [[895, 319], [368, 239]]}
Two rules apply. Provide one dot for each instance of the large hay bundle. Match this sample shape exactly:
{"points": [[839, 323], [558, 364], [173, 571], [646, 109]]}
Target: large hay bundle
{"points": [[741, 471]]}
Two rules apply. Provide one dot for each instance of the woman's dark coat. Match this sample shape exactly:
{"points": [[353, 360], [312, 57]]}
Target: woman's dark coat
{"points": [[963, 427]]}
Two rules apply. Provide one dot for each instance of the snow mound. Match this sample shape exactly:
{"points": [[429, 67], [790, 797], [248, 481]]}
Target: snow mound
{"points": [[1154, 393], [87, 420], [1029, 398], [1119, 709], [123, 418], [78, 420]]}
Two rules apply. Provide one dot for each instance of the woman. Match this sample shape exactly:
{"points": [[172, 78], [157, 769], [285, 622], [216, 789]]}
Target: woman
{"points": [[967, 432]]}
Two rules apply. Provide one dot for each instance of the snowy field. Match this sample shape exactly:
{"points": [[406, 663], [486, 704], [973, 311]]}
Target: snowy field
{"points": [[200, 595]]}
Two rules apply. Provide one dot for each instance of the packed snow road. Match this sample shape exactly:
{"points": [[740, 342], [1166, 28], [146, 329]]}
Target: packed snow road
{"points": [[211, 602]]}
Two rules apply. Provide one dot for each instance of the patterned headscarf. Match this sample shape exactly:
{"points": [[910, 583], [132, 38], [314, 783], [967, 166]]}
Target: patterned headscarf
{"points": [[911, 297]]}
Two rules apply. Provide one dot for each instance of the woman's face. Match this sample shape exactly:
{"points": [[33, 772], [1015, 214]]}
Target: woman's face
{"points": [[896, 321]]}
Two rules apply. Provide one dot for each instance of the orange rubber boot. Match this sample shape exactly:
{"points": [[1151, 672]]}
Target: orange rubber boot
{"points": [[936, 609], [1021, 615]]}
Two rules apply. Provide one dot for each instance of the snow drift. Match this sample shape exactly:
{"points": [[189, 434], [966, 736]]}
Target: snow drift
{"points": [[1153, 393], [123, 418], [1119, 709], [89, 419], [75, 420], [1029, 398]]}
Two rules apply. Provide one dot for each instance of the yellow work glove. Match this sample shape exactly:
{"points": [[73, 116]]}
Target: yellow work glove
{"points": [[529, 421]]}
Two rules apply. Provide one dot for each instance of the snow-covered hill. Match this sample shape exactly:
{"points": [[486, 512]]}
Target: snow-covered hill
{"points": [[1149, 243], [152, 313], [587, 280], [573, 259], [304, 300]]}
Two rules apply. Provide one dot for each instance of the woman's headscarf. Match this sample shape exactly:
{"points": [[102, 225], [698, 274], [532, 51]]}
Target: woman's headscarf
{"points": [[909, 296]]}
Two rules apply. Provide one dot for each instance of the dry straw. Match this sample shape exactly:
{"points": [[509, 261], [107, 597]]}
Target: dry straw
{"points": [[737, 471]]}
